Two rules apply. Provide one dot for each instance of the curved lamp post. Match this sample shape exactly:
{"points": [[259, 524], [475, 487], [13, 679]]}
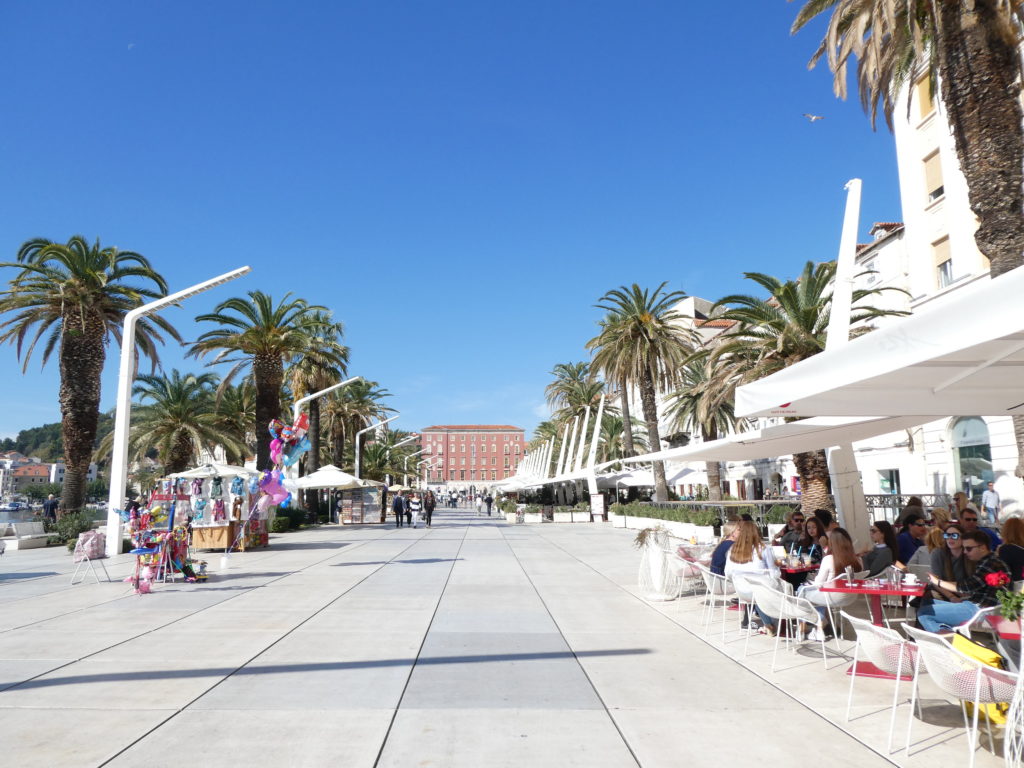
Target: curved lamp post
{"points": [[123, 409], [363, 431], [405, 465]]}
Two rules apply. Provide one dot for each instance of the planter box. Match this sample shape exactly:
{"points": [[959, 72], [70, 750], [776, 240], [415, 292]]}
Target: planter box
{"points": [[584, 517], [618, 521], [510, 517], [563, 517], [532, 517]]}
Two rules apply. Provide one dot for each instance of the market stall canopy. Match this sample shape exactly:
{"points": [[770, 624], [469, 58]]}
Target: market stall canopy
{"points": [[399, 489], [785, 439], [962, 357], [373, 483], [216, 469], [330, 477]]}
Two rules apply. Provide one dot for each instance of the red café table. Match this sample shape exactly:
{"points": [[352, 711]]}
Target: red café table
{"points": [[798, 568], [874, 590]]}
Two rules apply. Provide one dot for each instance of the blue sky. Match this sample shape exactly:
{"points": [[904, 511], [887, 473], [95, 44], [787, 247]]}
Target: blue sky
{"points": [[459, 181]]}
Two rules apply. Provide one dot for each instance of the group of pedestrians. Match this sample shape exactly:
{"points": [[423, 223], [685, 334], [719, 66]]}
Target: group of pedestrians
{"points": [[411, 508]]}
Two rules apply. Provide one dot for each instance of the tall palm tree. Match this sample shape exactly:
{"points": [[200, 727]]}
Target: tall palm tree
{"points": [[772, 333], [568, 379], [74, 296], [177, 418], [702, 403], [643, 342], [621, 380], [323, 364], [257, 334], [973, 49]]}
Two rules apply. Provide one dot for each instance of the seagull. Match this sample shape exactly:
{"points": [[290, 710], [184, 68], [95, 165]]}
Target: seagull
{"points": [[130, 46], [812, 118]]}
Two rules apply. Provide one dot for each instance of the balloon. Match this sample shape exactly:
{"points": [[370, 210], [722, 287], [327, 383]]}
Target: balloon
{"points": [[270, 484], [275, 427], [301, 426], [276, 446], [288, 435], [295, 452], [286, 503], [261, 506]]}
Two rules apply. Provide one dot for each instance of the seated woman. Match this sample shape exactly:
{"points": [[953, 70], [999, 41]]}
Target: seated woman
{"points": [[814, 542], [948, 562], [940, 517], [884, 552], [749, 557], [840, 557], [1012, 550], [923, 555]]}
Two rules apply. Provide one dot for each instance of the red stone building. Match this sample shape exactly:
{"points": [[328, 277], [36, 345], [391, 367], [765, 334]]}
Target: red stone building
{"points": [[471, 455]]}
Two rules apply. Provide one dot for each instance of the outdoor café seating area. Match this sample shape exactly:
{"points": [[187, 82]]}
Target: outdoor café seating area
{"points": [[915, 696]]}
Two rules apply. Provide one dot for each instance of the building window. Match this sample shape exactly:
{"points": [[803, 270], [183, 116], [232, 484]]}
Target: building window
{"points": [[451, 474], [472, 474], [472, 438], [506, 438], [462, 438], [462, 474], [933, 186], [462, 461], [925, 98], [494, 460], [506, 461], [943, 262]]}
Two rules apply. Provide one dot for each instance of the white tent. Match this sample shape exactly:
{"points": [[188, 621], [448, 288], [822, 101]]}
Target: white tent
{"points": [[963, 356], [784, 439], [215, 469], [330, 477]]}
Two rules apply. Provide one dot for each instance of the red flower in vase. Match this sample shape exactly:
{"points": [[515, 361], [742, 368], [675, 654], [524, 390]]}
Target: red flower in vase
{"points": [[997, 579]]}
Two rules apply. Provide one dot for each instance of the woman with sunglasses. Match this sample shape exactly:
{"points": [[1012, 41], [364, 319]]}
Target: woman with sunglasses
{"points": [[949, 563]]}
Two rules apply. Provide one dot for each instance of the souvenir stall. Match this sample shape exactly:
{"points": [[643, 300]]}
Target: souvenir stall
{"points": [[219, 498], [160, 547], [360, 499]]}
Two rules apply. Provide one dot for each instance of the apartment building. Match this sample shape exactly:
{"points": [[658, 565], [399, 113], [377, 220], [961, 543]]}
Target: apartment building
{"points": [[470, 456]]}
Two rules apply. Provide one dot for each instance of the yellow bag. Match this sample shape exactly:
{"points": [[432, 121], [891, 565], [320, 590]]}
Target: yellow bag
{"points": [[996, 713]]}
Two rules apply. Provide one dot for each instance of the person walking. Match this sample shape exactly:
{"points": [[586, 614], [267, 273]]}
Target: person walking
{"points": [[398, 507], [428, 506], [415, 508], [488, 500], [479, 506], [50, 509], [990, 503]]}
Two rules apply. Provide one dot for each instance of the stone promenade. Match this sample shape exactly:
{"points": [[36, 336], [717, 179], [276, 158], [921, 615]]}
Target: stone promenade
{"points": [[473, 643]]}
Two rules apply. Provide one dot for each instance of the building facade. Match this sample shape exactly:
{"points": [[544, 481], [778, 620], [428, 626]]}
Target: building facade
{"points": [[470, 456]]}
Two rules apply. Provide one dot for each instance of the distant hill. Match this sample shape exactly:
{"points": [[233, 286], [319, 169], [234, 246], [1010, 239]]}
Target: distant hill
{"points": [[45, 441]]}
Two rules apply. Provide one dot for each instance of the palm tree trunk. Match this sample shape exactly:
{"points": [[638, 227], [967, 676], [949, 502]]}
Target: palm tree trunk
{"points": [[812, 467], [181, 455], [268, 375], [978, 68], [627, 421], [650, 408], [713, 469], [313, 456], [82, 355]]}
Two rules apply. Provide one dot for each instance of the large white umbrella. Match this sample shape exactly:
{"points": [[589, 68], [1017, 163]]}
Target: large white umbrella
{"points": [[330, 477], [964, 356], [216, 469]]}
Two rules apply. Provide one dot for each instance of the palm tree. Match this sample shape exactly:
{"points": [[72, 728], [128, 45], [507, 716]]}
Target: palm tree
{"points": [[702, 403], [612, 439], [76, 295], [621, 380], [177, 418], [351, 409], [323, 364], [773, 333], [643, 343], [255, 333], [236, 418], [972, 50]]}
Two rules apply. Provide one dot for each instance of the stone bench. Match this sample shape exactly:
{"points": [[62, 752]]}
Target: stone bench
{"points": [[28, 536]]}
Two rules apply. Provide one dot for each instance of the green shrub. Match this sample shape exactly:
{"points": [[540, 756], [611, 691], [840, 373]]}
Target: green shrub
{"points": [[704, 516], [280, 524], [71, 543], [322, 518], [777, 514], [507, 506], [69, 526], [531, 509]]}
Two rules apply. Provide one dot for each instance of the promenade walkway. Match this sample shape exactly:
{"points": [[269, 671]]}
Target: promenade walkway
{"points": [[473, 643]]}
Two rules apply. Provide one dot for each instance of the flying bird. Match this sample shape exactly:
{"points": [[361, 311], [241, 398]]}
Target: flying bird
{"points": [[130, 46], [812, 118]]}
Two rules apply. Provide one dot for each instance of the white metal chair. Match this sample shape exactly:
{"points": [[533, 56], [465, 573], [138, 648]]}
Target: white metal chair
{"points": [[790, 610], [719, 592], [886, 650], [744, 584], [962, 677]]}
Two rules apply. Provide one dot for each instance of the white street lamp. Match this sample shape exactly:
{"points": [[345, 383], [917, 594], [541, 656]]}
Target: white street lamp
{"points": [[123, 408], [405, 465], [362, 431], [293, 470], [431, 463]]}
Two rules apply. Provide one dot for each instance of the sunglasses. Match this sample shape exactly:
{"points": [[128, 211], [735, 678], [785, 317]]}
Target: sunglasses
{"points": [[969, 519], [953, 536]]}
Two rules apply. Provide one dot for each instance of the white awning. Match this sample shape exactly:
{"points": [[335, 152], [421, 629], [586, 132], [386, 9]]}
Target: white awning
{"points": [[962, 357], [786, 439], [216, 469], [331, 477]]}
